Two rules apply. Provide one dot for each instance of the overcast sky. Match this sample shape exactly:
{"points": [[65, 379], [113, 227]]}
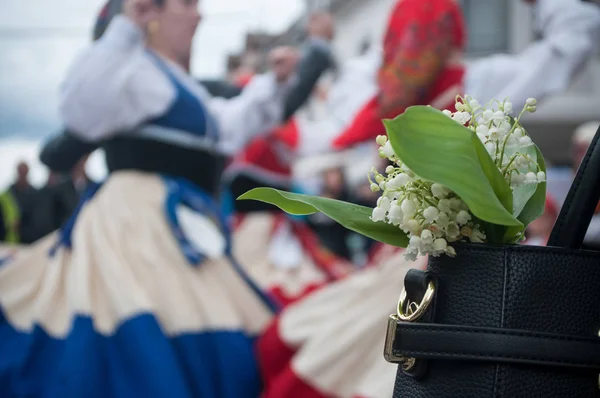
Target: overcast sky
{"points": [[40, 38]]}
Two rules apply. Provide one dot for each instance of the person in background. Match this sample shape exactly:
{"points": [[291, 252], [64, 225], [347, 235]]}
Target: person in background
{"points": [[421, 64], [9, 217], [69, 191], [582, 138], [20, 222], [59, 198], [239, 72], [569, 32], [46, 213], [331, 234]]}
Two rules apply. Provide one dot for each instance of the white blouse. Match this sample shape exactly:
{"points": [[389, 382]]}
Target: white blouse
{"points": [[115, 86], [570, 30]]}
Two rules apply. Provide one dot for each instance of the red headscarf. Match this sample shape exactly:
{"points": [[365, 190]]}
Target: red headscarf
{"points": [[420, 41]]}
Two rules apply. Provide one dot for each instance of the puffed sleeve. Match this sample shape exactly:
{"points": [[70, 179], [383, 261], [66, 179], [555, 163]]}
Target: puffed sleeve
{"points": [[258, 109], [113, 86]]}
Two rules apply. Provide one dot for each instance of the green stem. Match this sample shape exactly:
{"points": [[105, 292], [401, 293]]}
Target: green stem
{"points": [[512, 159]]}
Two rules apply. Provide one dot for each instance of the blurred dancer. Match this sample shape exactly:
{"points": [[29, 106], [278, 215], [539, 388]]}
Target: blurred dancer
{"points": [[139, 295]]}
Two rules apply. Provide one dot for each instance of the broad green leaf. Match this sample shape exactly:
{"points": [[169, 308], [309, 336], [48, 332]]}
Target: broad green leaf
{"points": [[354, 217], [441, 150]]}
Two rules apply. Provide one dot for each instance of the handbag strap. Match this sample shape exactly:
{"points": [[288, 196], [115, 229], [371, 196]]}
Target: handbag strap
{"points": [[581, 201], [450, 342]]}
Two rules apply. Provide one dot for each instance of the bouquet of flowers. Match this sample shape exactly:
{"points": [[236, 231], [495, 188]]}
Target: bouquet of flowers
{"points": [[469, 176]]}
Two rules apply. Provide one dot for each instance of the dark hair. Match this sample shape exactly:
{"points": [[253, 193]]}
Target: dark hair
{"points": [[108, 12]]}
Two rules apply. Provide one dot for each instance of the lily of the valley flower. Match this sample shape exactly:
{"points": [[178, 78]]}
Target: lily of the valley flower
{"points": [[504, 137], [430, 214], [434, 217]]}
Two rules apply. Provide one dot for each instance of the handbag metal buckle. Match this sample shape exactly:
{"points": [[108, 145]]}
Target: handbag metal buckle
{"points": [[388, 351], [407, 312], [412, 312]]}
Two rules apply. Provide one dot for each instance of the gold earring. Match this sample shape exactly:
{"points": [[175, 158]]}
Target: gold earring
{"points": [[153, 27]]}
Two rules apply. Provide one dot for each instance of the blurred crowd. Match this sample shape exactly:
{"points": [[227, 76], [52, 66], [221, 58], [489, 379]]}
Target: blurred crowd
{"points": [[28, 213]]}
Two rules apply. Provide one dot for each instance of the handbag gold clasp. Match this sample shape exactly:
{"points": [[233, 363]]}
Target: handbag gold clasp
{"points": [[412, 312], [407, 312]]}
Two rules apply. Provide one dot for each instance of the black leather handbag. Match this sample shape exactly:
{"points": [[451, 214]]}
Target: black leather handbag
{"points": [[506, 320]]}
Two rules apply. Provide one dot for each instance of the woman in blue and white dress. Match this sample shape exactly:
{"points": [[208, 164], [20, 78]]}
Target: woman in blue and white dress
{"points": [[138, 295]]}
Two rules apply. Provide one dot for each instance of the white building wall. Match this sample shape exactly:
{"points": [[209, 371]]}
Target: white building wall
{"points": [[359, 20]]}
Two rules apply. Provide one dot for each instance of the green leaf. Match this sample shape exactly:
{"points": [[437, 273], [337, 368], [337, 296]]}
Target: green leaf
{"points": [[537, 203], [523, 193], [438, 149], [533, 196], [354, 217]]}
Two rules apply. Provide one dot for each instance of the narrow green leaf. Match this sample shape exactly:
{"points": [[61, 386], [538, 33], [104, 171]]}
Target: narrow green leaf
{"points": [[354, 217], [441, 150], [537, 202], [523, 193]]}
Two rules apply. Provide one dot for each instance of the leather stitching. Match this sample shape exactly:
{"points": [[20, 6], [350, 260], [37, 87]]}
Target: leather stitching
{"points": [[492, 355], [523, 249], [495, 356], [591, 340]]}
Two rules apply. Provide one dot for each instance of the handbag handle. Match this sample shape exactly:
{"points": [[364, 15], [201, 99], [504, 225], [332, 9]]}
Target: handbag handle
{"points": [[578, 209]]}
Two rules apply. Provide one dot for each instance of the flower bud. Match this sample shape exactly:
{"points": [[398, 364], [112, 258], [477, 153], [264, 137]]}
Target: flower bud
{"points": [[430, 214], [531, 102], [426, 237], [541, 176], [378, 214], [482, 129], [384, 203], [440, 245], [463, 217], [413, 226], [408, 207], [525, 141], [530, 177], [474, 104], [488, 115]]}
